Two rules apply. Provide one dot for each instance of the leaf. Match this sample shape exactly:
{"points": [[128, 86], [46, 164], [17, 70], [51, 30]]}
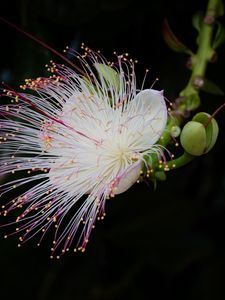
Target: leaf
{"points": [[172, 41], [219, 37], [212, 88], [110, 75], [197, 20], [88, 84], [193, 101]]}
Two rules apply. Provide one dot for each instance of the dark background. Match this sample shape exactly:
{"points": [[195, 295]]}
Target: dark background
{"points": [[152, 244]]}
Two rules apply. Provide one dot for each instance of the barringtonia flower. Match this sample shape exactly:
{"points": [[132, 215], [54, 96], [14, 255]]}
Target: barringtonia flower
{"points": [[72, 143]]}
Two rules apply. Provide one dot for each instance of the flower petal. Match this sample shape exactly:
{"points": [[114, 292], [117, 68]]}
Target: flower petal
{"points": [[127, 179], [149, 104]]}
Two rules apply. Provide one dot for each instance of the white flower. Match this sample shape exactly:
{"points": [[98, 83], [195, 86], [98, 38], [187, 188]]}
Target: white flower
{"points": [[79, 140]]}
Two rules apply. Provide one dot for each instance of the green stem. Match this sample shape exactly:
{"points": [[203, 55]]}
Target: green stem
{"points": [[201, 59], [180, 161], [190, 93]]}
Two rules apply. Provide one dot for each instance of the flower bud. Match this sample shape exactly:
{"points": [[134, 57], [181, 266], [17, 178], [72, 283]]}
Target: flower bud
{"points": [[175, 131], [211, 128], [193, 138], [199, 135]]}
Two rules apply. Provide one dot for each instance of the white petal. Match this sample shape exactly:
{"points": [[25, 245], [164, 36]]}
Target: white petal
{"points": [[128, 179], [151, 106]]}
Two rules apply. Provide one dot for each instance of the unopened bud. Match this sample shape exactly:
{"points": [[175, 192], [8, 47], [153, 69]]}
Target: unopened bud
{"points": [[175, 131], [211, 128], [199, 135], [193, 138]]}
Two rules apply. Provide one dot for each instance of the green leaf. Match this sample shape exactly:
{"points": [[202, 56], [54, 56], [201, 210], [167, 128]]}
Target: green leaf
{"points": [[197, 20], [212, 88], [108, 74], [172, 41], [88, 84], [219, 37], [193, 101]]}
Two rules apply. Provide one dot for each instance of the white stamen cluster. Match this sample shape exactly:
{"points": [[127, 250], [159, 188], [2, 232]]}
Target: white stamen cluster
{"points": [[78, 141]]}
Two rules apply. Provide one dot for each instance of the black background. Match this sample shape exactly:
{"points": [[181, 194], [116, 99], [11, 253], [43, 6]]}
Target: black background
{"points": [[152, 244]]}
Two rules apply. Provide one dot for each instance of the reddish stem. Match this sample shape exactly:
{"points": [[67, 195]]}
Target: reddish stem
{"points": [[214, 114], [43, 44]]}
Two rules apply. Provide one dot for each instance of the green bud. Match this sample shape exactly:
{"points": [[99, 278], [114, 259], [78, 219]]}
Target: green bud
{"points": [[175, 131], [211, 128], [199, 135], [193, 138]]}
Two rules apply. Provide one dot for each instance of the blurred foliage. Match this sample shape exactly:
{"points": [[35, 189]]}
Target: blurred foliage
{"points": [[152, 244]]}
